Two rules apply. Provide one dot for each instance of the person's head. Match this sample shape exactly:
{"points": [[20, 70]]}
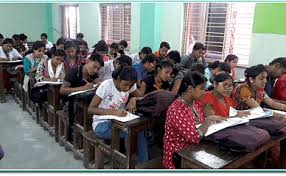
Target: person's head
{"points": [[198, 67], [223, 84], [16, 38], [256, 76], [39, 49], [44, 38], [174, 56], [193, 85], [231, 60], [7, 44], [144, 52], [224, 68], [113, 49], [23, 38], [122, 45], [122, 61], [126, 77], [101, 47], [277, 67], [214, 67], [149, 62], [94, 63], [70, 49], [199, 51], [164, 48], [1, 39], [82, 46], [58, 57], [79, 36], [60, 43], [164, 70]]}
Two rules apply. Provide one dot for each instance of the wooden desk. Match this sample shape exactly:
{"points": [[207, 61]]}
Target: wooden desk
{"points": [[132, 128], [208, 155], [3, 66]]}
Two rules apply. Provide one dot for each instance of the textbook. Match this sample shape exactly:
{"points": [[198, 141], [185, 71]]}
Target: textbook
{"points": [[127, 118], [48, 82], [82, 91]]}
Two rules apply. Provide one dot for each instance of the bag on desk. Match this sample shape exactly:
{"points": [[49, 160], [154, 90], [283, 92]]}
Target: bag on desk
{"points": [[275, 126], [39, 94], [241, 138]]}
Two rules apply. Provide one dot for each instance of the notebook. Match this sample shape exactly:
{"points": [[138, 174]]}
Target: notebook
{"points": [[255, 113], [13, 61], [277, 111], [82, 91], [127, 118], [48, 82]]}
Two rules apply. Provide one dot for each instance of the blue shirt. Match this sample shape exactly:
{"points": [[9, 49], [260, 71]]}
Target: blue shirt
{"points": [[141, 73]]}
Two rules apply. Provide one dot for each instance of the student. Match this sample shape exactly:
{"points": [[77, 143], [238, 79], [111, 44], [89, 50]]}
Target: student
{"points": [[52, 69], [79, 36], [160, 80], [110, 99], [163, 51], [32, 60], [82, 48], [23, 39], [72, 59], [48, 44], [251, 93], [275, 69], [232, 61], [175, 56], [113, 51], [183, 115], [18, 45], [197, 56], [138, 57], [102, 49], [59, 45], [7, 52], [122, 45], [1, 39], [279, 91], [106, 72], [218, 102], [147, 65]]}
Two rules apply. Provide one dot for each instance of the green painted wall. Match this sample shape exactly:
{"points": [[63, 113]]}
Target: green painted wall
{"points": [[31, 19], [269, 18]]}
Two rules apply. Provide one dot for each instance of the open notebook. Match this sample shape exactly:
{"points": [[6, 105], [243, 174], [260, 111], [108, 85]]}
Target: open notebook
{"points": [[82, 91], [225, 124], [255, 113], [127, 118], [48, 82], [13, 61]]}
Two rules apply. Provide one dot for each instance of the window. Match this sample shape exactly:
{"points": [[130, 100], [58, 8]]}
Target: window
{"points": [[115, 22], [70, 20], [224, 28]]}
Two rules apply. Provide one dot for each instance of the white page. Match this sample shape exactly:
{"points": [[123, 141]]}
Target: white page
{"points": [[277, 111], [255, 113], [14, 61], [127, 118], [82, 91], [48, 82]]}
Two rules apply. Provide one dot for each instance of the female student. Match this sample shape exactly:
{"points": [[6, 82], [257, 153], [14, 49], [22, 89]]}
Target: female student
{"points": [[160, 80], [232, 61], [279, 92], [184, 114], [32, 60], [72, 59], [251, 94], [110, 99], [52, 69]]}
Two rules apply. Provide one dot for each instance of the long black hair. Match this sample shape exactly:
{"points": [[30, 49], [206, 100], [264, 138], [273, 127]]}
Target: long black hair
{"points": [[191, 79]]}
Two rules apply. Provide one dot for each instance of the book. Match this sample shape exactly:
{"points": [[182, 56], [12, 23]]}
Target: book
{"points": [[255, 113], [127, 118], [48, 82], [82, 91]]}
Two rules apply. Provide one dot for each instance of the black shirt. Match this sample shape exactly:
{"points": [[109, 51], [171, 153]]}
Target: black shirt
{"points": [[74, 77], [150, 82]]}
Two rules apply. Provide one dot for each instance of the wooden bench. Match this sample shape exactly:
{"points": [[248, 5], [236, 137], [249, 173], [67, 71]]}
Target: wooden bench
{"points": [[18, 86], [94, 151], [63, 124]]}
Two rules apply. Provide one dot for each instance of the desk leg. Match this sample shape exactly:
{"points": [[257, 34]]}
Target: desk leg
{"points": [[2, 95], [115, 144], [131, 150]]}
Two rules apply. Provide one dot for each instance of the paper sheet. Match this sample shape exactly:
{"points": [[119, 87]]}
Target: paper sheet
{"points": [[82, 91], [127, 118], [14, 61], [255, 113], [48, 82]]}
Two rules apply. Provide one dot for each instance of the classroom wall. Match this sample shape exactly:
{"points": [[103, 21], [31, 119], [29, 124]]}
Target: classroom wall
{"points": [[269, 33], [31, 19]]}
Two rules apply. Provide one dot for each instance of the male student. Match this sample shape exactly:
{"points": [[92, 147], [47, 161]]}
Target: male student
{"points": [[44, 38], [138, 57], [163, 51], [77, 79]]}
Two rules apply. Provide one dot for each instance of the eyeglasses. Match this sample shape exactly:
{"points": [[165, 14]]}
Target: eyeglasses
{"points": [[226, 87]]}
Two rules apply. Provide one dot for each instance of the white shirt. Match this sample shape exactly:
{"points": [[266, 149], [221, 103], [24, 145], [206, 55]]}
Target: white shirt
{"points": [[111, 98], [135, 58], [49, 45], [106, 71], [12, 54]]}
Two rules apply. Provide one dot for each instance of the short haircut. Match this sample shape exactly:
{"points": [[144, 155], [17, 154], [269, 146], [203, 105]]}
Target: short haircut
{"points": [[97, 57], [44, 35], [175, 56], [124, 60], [198, 67], [123, 43], [165, 44], [101, 46], [223, 66], [69, 44], [23, 37], [148, 58], [60, 41], [16, 37], [80, 35], [146, 50], [199, 46], [114, 46], [280, 60], [214, 65], [8, 41]]}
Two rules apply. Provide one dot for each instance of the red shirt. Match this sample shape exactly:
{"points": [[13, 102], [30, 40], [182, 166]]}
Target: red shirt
{"points": [[279, 92], [180, 129], [210, 101]]}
